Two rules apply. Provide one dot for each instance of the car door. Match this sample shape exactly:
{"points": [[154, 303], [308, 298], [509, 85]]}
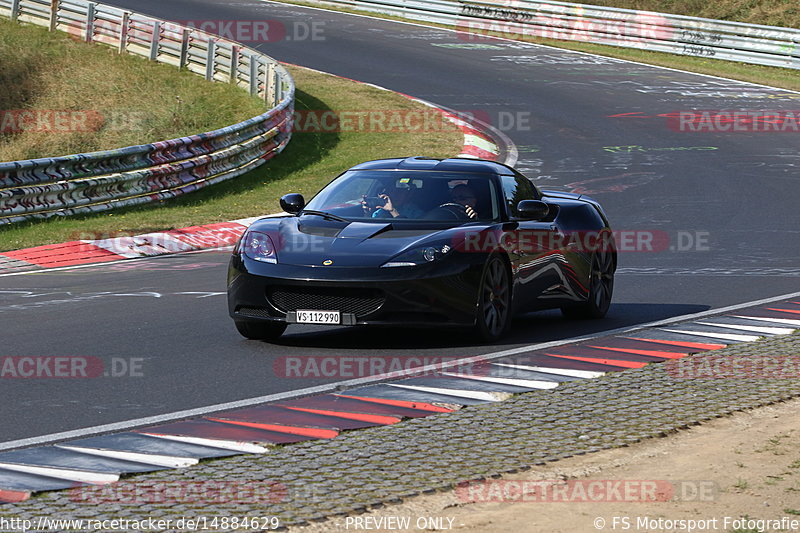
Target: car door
{"points": [[534, 248]]}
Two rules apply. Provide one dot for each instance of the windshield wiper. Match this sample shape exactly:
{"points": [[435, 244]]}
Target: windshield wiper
{"points": [[323, 214]]}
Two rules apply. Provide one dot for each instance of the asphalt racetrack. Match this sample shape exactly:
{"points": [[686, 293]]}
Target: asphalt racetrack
{"points": [[711, 219]]}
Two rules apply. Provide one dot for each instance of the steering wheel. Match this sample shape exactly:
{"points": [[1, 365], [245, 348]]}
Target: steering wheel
{"points": [[457, 211]]}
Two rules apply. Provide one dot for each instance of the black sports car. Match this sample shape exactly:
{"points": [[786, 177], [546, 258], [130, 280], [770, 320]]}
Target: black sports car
{"points": [[423, 242]]}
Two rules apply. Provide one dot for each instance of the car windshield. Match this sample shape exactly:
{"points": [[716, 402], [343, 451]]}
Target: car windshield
{"points": [[413, 195]]}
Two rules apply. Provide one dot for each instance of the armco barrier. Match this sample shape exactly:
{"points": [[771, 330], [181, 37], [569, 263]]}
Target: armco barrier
{"points": [[676, 34], [127, 176]]}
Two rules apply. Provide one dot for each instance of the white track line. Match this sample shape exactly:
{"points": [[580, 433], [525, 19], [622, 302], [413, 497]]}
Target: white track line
{"points": [[516, 382], [220, 444], [755, 329], [458, 393], [566, 372], [723, 336], [789, 321], [167, 461], [63, 473]]}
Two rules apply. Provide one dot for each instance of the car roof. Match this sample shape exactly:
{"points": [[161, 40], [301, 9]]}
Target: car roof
{"points": [[453, 164]]}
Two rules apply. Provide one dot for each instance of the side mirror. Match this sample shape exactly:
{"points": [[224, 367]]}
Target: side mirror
{"points": [[292, 203], [532, 209]]}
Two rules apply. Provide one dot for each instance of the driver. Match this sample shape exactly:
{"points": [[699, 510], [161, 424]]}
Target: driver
{"points": [[398, 205], [465, 195]]}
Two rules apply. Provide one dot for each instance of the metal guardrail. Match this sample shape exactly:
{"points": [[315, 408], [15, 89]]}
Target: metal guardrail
{"points": [[103, 180], [676, 34]]}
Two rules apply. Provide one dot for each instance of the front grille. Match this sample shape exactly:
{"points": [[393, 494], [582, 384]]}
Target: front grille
{"points": [[358, 301], [254, 311]]}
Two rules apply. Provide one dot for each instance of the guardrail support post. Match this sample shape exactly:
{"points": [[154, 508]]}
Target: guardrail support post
{"points": [[123, 32], [155, 40], [211, 58], [14, 10], [185, 36], [53, 14], [235, 53], [89, 33], [269, 85], [253, 75]]}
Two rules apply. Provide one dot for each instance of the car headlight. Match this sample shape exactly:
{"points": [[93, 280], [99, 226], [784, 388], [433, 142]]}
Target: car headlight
{"points": [[419, 256], [259, 246]]}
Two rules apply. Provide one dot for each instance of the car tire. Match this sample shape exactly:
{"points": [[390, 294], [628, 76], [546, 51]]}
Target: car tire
{"points": [[493, 319], [601, 288], [260, 331]]}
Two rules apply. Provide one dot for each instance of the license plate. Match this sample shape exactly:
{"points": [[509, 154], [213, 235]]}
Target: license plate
{"points": [[307, 316]]}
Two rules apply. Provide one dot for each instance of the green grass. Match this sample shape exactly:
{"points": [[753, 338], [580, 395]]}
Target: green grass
{"points": [[310, 161], [114, 100], [770, 12], [741, 484]]}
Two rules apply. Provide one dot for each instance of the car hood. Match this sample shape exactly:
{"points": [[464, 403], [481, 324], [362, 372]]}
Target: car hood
{"points": [[314, 241]]}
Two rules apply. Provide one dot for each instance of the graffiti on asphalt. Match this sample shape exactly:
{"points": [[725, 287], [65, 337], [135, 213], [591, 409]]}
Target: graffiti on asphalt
{"points": [[636, 148], [31, 297], [617, 183]]}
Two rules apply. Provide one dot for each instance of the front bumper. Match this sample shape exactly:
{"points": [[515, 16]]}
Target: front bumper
{"points": [[438, 294]]}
